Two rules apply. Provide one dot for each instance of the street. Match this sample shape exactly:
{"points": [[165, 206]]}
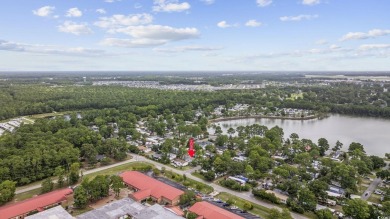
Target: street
{"points": [[244, 195]]}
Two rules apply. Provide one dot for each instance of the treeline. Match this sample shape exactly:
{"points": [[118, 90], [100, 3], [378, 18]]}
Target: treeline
{"points": [[34, 151], [343, 98]]}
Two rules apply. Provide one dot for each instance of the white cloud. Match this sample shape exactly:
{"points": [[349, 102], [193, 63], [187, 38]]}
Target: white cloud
{"points": [[366, 47], [208, 2], [361, 35], [263, 3], [170, 6], [151, 35], [299, 17], [253, 23], [159, 32], [74, 28], [44, 11], [112, 1], [321, 42], [137, 5], [48, 49], [134, 43], [311, 2], [187, 49], [119, 21], [101, 11], [224, 24], [74, 12], [334, 47]]}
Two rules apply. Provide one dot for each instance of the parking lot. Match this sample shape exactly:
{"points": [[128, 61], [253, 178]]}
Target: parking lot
{"points": [[171, 183], [237, 211]]}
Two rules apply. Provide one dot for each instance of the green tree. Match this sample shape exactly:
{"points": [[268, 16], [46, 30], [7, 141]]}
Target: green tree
{"points": [[47, 185], [188, 197], [191, 215], [324, 214], [356, 146], [357, 209], [307, 200], [89, 152], [218, 130], [338, 146], [74, 173], [319, 188], [377, 162], [274, 214], [80, 197], [7, 191], [286, 214], [386, 208], [116, 184], [247, 206], [231, 131], [324, 146], [60, 173], [221, 140]]}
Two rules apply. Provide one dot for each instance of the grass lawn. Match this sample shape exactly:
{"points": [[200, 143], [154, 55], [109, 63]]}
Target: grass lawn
{"points": [[204, 188], [197, 174], [44, 115], [374, 198], [257, 209], [361, 189], [188, 182], [27, 195], [121, 168]]}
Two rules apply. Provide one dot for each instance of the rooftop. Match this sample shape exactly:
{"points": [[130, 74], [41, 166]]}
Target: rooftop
{"points": [[149, 187], [36, 203], [130, 207], [210, 211], [52, 213]]}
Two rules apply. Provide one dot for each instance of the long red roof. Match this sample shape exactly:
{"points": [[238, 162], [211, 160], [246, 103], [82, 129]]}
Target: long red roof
{"points": [[210, 211], [156, 188], [36, 203]]}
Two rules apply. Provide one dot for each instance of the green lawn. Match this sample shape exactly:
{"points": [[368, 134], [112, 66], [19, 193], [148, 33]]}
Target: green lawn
{"points": [[27, 195], [374, 198], [121, 168], [361, 189], [188, 182], [197, 174], [257, 209], [45, 115]]}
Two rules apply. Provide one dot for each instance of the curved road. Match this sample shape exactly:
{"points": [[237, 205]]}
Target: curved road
{"points": [[244, 195]]}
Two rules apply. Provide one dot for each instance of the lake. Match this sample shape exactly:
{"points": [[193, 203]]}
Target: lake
{"points": [[373, 133]]}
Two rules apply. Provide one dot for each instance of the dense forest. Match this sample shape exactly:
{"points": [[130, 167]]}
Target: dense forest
{"points": [[18, 100]]}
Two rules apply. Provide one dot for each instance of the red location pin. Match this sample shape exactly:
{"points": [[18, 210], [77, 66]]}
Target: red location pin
{"points": [[191, 150]]}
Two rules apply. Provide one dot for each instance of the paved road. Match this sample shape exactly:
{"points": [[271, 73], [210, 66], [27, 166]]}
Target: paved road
{"points": [[373, 185], [244, 195], [37, 186]]}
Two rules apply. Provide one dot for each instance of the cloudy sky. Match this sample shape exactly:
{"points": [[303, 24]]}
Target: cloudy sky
{"points": [[190, 35]]}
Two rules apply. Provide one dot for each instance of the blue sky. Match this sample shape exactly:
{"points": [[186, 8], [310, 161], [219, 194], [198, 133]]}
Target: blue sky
{"points": [[259, 35]]}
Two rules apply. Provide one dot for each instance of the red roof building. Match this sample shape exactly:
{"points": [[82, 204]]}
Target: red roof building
{"points": [[147, 187], [206, 210], [36, 204]]}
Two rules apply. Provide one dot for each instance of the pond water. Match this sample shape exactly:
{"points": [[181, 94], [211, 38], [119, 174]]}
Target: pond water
{"points": [[373, 133]]}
